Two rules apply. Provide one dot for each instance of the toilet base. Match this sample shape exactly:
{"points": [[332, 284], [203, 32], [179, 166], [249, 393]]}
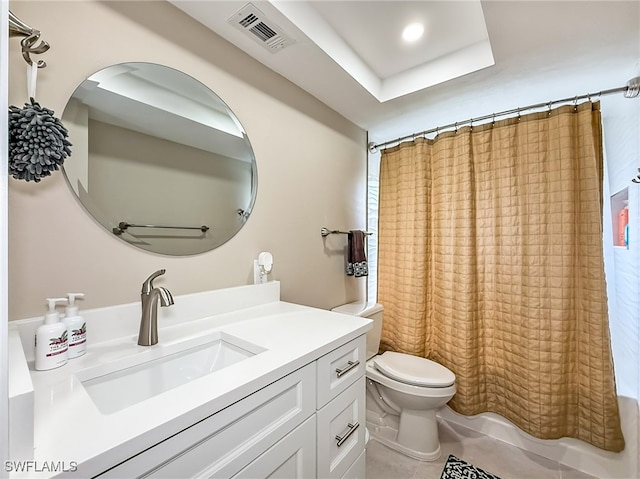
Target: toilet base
{"points": [[384, 429]]}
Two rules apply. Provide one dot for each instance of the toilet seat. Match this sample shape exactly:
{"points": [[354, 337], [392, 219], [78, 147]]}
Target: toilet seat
{"points": [[379, 377], [413, 370]]}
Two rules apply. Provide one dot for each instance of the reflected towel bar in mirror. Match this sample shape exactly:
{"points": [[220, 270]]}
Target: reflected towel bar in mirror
{"points": [[327, 232], [122, 227]]}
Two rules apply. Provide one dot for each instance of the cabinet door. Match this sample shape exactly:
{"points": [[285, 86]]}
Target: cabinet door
{"points": [[358, 469], [338, 369], [224, 443], [293, 457], [341, 431]]}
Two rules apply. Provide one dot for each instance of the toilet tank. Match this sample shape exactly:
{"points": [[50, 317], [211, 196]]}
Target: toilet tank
{"points": [[371, 311]]}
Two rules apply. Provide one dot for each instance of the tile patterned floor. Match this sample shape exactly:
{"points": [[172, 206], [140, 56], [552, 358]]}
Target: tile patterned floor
{"points": [[492, 455]]}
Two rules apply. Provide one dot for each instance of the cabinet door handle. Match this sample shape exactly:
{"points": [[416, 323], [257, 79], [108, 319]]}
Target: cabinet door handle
{"points": [[352, 428], [350, 366]]}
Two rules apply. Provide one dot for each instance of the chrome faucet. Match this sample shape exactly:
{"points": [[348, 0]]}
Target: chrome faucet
{"points": [[149, 321]]}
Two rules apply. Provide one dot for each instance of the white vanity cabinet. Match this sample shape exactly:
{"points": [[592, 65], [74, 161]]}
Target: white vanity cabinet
{"points": [[291, 407], [308, 424], [293, 457], [341, 409], [224, 443]]}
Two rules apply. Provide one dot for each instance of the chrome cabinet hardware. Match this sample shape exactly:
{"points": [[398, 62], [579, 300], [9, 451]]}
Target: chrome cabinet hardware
{"points": [[350, 366], [352, 428]]}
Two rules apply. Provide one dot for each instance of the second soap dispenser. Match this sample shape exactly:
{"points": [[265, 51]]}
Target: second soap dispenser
{"points": [[76, 327]]}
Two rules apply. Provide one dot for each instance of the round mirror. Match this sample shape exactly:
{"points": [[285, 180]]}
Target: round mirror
{"points": [[159, 159]]}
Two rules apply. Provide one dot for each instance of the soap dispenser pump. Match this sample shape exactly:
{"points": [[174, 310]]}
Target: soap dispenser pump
{"points": [[76, 327], [51, 339]]}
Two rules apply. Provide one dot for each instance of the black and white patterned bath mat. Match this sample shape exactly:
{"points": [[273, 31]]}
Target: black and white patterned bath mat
{"points": [[458, 469]]}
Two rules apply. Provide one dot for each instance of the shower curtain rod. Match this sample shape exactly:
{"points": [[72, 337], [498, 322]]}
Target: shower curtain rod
{"points": [[630, 90]]}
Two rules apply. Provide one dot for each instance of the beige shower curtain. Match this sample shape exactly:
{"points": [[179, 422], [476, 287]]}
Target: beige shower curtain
{"points": [[491, 263]]}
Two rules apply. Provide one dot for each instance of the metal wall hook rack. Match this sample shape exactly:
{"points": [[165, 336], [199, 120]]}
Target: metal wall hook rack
{"points": [[17, 28], [123, 226], [327, 232]]}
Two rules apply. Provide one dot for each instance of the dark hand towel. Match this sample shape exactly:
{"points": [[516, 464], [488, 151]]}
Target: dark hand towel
{"points": [[356, 257]]}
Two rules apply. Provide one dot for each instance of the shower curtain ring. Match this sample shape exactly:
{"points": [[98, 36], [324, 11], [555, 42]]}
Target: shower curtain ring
{"points": [[549, 110], [493, 120], [575, 104], [456, 125]]}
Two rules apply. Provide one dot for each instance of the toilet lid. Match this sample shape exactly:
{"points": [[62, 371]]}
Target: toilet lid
{"points": [[413, 370]]}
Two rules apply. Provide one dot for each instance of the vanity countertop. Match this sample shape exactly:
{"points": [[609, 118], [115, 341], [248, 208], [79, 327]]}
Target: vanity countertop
{"points": [[69, 430]]}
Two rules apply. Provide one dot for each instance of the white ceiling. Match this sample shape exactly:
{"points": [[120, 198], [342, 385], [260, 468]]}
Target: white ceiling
{"points": [[385, 52], [349, 54]]}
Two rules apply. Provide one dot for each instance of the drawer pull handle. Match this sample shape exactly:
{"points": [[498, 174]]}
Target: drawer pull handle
{"points": [[350, 366], [352, 428]]}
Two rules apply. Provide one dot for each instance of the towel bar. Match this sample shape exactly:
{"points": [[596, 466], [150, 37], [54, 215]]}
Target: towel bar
{"points": [[327, 232], [122, 227]]}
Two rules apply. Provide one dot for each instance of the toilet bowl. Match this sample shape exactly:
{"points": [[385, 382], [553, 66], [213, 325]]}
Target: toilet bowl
{"points": [[407, 396], [403, 393]]}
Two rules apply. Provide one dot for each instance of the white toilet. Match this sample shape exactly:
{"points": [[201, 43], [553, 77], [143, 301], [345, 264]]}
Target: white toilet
{"points": [[403, 392]]}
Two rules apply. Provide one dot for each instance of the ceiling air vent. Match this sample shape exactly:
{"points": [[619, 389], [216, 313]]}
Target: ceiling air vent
{"points": [[255, 24]]}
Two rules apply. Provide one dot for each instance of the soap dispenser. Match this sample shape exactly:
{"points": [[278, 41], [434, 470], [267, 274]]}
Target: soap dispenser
{"points": [[51, 339], [76, 327], [262, 267]]}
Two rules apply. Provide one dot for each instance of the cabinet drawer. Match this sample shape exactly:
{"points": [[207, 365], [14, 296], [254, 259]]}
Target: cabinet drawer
{"points": [[222, 444], [341, 431], [339, 369], [293, 457]]}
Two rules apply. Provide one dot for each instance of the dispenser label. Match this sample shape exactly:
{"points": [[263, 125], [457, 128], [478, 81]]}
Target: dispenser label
{"points": [[55, 353], [78, 336], [58, 345]]}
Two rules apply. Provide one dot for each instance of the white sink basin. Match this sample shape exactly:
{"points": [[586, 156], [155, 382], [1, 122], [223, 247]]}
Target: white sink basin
{"points": [[125, 387]]}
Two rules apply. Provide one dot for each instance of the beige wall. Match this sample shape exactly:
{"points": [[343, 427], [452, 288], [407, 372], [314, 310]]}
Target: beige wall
{"points": [[311, 168]]}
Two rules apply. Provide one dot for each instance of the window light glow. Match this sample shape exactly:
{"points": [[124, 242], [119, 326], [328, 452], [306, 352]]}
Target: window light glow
{"points": [[412, 32]]}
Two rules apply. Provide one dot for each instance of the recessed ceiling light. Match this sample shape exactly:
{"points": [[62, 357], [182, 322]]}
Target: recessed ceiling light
{"points": [[412, 32]]}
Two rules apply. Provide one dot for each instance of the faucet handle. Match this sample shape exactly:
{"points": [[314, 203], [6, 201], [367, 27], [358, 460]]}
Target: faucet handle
{"points": [[147, 286]]}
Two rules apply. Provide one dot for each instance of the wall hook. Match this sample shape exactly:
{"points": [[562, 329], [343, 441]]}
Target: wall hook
{"points": [[17, 28], [28, 49]]}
